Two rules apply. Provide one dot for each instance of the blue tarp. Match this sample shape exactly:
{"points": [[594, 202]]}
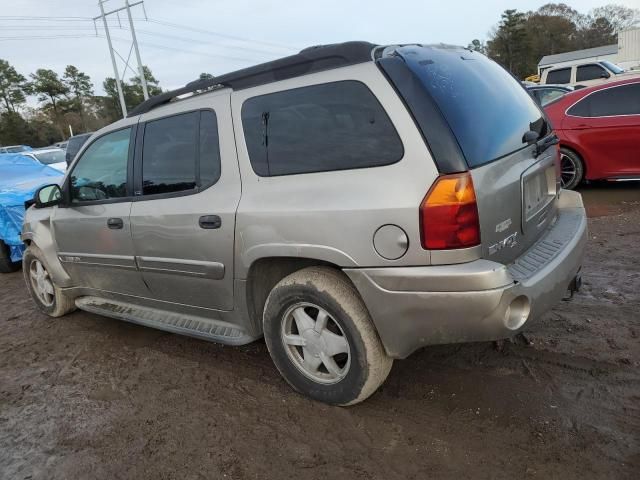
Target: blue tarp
{"points": [[20, 177]]}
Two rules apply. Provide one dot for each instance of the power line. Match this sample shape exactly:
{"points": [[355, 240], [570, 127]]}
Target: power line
{"points": [[56, 28], [218, 34], [48, 19], [119, 39], [158, 22], [194, 52], [44, 37]]}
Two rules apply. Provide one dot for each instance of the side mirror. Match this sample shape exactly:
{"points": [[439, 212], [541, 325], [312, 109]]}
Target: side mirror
{"points": [[47, 196], [605, 75], [530, 137]]}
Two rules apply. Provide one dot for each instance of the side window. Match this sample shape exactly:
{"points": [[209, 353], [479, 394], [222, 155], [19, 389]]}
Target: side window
{"points": [[180, 153], [548, 95], [589, 72], [560, 76], [333, 126], [621, 100], [101, 172], [169, 154]]}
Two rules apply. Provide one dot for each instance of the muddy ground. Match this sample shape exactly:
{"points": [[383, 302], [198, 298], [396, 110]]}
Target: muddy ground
{"points": [[89, 397]]}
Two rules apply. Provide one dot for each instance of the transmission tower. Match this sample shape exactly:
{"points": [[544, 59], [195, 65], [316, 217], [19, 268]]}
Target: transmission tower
{"points": [[112, 51]]}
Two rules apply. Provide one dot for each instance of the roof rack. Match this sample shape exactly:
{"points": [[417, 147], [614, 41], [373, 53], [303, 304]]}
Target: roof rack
{"points": [[310, 60]]}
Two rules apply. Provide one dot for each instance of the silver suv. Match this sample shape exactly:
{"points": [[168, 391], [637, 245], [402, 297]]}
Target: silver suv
{"points": [[351, 203]]}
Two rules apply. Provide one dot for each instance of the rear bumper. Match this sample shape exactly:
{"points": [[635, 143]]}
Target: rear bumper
{"points": [[476, 301]]}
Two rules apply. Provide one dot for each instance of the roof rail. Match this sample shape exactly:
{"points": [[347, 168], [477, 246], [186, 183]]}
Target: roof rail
{"points": [[166, 97], [310, 60]]}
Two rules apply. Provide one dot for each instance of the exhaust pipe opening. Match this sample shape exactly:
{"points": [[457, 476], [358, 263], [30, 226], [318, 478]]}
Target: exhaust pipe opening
{"points": [[517, 313]]}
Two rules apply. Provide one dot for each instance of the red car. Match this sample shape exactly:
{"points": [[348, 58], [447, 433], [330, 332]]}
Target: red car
{"points": [[599, 132]]}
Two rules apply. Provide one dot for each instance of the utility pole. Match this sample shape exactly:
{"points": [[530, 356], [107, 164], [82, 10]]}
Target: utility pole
{"points": [[123, 105], [143, 80]]}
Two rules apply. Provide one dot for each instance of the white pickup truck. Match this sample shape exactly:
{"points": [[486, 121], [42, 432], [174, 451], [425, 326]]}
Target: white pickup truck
{"points": [[586, 74]]}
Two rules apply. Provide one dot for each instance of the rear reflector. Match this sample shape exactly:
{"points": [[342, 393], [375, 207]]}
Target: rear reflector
{"points": [[449, 214]]}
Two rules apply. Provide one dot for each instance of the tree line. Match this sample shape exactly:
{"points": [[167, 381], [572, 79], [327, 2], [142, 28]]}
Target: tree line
{"points": [[521, 39], [64, 100]]}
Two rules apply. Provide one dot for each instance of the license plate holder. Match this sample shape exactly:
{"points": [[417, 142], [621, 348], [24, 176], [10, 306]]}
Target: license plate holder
{"points": [[539, 191]]}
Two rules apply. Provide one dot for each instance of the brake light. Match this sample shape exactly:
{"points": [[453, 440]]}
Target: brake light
{"points": [[449, 214]]}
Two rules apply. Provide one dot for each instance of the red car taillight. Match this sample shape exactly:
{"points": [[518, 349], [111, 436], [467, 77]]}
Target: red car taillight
{"points": [[449, 214]]}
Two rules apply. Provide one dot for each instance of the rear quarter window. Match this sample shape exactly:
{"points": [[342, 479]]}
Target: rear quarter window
{"points": [[560, 76], [319, 128]]}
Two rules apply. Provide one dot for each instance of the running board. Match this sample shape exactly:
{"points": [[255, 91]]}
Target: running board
{"points": [[190, 325]]}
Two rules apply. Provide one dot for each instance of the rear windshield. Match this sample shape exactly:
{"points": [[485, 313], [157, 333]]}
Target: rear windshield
{"points": [[486, 108]]}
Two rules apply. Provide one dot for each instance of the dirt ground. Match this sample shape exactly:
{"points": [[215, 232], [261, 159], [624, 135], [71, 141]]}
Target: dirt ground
{"points": [[90, 397]]}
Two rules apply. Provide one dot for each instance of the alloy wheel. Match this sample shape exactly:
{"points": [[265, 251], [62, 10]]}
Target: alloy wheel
{"points": [[568, 170], [316, 343], [41, 283]]}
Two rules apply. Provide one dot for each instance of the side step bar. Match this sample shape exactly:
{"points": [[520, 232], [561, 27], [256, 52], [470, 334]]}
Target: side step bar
{"points": [[190, 325]]}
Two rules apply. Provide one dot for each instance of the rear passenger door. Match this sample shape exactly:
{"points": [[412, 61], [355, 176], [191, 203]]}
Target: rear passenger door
{"points": [[187, 188]]}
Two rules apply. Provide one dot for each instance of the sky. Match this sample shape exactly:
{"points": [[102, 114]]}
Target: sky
{"points": [[218, 37]]}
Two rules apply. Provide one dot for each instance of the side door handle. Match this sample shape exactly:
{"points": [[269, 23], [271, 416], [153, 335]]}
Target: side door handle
{"points": [[210, 222], [115, 223]]}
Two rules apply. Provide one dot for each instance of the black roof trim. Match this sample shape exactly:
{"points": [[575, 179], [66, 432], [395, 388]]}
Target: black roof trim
{"points": [[309, 60]]}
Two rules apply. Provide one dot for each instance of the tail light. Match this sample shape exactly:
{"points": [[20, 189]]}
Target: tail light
{"points": [[449, 214]]}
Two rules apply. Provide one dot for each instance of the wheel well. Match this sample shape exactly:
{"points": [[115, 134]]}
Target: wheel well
{"points": [[265, 273], [579, 155]]}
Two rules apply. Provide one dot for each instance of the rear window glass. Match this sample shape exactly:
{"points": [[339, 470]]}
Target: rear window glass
{"points": [[486, 108], [621, 100], [548, 95], [333, 126], [562, 75]]}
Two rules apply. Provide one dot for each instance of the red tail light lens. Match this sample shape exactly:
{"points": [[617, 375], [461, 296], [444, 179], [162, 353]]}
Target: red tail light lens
{"points": [[449, 214]]}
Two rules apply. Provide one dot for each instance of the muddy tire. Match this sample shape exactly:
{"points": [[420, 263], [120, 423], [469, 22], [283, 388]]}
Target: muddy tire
{"points": [[6, 264], [49, 298], [321, 338], [572, 168]]}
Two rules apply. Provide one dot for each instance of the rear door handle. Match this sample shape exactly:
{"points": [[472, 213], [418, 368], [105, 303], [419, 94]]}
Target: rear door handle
{"points": [[210, 222], [115, 223]]}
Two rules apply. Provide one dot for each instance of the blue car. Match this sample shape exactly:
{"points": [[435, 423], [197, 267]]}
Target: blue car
{"points": [[20, 177]]}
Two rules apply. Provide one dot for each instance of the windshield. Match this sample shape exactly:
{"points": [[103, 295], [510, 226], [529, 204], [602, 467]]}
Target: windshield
{"points": [[486, 107], [17, 149], [613, 67], [48, 158]]}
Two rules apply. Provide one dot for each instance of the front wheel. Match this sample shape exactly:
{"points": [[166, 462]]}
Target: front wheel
{"points": [[321, 338], [571, 169], [49, 298]]}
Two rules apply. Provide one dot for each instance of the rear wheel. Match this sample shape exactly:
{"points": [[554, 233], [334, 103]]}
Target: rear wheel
{"points": [[571, 169], [321, 338], [6, 264], [49, 298]]}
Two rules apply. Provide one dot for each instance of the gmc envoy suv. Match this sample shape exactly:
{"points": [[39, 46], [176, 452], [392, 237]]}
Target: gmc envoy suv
{"points": [[351, 203]]}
